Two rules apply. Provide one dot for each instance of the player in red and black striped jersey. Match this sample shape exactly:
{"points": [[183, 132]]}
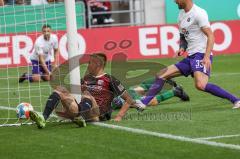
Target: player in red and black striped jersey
{"points": [[98, 91], [103, 88]]}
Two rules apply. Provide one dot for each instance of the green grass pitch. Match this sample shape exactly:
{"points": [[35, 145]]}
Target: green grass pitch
{"points": [[204, 116]]}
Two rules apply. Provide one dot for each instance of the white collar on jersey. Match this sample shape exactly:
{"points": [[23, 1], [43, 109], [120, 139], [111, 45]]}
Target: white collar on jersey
{"points": [[100, 75]]}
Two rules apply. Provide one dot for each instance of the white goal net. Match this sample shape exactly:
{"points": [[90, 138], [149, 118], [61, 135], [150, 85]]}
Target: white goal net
{"points": [[20, 25]]}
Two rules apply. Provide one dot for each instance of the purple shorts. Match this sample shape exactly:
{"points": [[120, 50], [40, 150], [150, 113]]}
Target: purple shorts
{"points": [[37, 69], [191, 64]]}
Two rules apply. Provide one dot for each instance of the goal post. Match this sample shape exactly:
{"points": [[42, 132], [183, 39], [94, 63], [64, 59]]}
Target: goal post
{"points": [[74, 66]]}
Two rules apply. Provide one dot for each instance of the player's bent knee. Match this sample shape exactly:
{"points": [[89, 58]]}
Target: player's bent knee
{"points": [[46, 78], [61, 89], [70, 106], [36, 78], [200, 86], [88, 111], [73, 110]]}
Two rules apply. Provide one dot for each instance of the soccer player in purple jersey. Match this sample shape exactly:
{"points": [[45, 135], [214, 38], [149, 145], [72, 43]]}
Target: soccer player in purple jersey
{"points": [[196, 37], [44, 47]]}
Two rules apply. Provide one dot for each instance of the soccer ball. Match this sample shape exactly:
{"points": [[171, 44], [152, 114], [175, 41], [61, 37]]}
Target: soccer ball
{"points": [[23, 110]]}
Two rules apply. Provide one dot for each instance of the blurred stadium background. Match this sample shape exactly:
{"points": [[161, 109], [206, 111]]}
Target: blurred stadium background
{"points": [[144, 30]]}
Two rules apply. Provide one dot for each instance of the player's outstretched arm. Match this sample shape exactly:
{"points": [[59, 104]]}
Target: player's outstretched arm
{"points": [[56, 58], [128, 102], [182, 46], [42, 63], [210, 42]]}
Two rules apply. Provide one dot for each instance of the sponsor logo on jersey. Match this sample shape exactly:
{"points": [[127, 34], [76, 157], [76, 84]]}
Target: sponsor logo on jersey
{"points": [[100, 82], [120, 87]]}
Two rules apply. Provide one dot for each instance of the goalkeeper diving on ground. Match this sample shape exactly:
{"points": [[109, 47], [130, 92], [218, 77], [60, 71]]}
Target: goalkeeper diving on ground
{"points": [[138, 92]]}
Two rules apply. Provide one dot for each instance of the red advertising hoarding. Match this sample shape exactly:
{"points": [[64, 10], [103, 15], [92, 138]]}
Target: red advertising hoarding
{"points": [[142, 42]]}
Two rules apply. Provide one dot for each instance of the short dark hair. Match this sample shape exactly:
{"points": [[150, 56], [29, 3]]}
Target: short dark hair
{"points": [[46, 26], [101, 56]]}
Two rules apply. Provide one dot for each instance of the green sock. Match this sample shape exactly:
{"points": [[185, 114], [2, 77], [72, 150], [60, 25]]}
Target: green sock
{"points": [[134, 94], [146, 84], [165, 95]]}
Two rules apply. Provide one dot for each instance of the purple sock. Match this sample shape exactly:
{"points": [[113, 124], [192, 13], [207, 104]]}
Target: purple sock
{"points": [[29, 77], [219, 92], [153, 91]]}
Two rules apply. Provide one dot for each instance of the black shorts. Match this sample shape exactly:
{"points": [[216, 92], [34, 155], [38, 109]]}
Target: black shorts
{"points": [[87, 111], [85, 105]]}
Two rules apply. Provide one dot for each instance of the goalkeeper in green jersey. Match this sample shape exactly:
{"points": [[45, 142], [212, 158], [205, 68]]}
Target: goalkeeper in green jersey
{"points": [[172, 89]]}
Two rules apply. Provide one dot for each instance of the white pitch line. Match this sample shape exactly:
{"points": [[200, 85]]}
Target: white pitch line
{"points": [[7, 108], [17, 124], [169, 136], [156, 134], [218, 137]]}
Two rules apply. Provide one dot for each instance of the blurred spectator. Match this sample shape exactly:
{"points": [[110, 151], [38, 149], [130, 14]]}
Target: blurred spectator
{"points": [[86, 12], [1, 3], [108, 7], [19, 2], [38, 2], [97, 6], [9, 2], [53, 1], [13, 2]]}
